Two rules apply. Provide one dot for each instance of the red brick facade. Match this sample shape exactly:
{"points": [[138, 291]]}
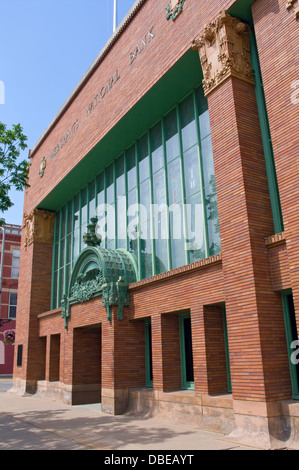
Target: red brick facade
{"points": [[9, 290], [95, 359]]}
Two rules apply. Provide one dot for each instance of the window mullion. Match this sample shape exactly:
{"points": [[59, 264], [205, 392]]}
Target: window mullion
{"points": [[187, 256], [152, 222], [166, 197], [204, 208], [53, 302]]}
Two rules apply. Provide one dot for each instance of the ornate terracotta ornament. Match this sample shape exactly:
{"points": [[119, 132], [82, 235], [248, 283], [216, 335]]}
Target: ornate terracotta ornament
{"points": [[293, 4], [42, 167], [39, 227], [224, 50], [174, 8]]}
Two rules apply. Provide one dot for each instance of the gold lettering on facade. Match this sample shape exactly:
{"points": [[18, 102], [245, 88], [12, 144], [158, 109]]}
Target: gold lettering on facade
{"points": [[224, 51], [39, 227]]}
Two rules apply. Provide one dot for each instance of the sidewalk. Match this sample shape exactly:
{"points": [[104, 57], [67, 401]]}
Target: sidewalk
{"points": [[34, 423]]}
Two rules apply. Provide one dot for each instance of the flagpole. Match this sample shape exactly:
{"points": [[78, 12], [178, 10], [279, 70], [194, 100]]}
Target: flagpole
{"points": [[115, 15]]}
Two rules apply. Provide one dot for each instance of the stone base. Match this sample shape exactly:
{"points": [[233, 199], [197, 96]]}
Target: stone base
{"points": [[184, 407], [68, 394], [265, 425], [114, 402]]}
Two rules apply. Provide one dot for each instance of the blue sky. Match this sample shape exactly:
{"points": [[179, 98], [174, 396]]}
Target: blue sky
{"points": [[46, 46]]}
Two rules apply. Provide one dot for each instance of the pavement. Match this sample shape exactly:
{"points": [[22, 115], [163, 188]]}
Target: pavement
{"points": [[35, 423]]}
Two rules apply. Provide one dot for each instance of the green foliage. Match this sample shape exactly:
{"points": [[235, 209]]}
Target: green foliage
{"points": [[12, 172]]}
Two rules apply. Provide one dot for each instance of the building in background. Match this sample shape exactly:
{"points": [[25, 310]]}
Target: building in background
{"points": [[160, 253], [9, 277]]}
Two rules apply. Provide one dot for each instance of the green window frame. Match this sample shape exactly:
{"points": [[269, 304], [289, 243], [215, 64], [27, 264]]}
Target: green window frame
{"points": [[148, 354], [187, 376], [152, 169], [291, 335], [229, 382]]}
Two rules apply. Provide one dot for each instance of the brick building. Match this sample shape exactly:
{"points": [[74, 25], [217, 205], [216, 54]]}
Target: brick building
{"points": [[9, 275], [159, 263]]}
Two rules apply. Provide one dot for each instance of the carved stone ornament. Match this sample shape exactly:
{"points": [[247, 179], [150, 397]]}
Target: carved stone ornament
{"points": [[39, 227], [174, 8], [293, 4], [224, 51]]}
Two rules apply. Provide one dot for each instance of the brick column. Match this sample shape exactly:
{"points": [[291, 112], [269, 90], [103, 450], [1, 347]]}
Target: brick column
{"points": [[258, 356], [166, 353], [199, 350], [278, 54], [123, 361], [34, 296]]}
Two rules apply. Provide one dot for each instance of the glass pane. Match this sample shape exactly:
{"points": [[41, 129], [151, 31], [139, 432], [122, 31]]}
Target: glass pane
{"points": [[207, 160], [69, 217], [84, 206], [76, 212], [63, 221], [76, 245], [69, 248], [161, 259], [68, 275], [212, 218], [131, 168], [174, 181], [120, 177], [61, 285], [91, 198], [121, 215], [145, 200], [159, 187], [178, 254], [110, 185], [195, 228], [204, 118], [62, 252], [157, 147], [100, 189], [13, 299], [171, 136], [110, 224], [146, 250], [191, 172], [143, 158], [56, 256], [188, 127], [55, 290]]}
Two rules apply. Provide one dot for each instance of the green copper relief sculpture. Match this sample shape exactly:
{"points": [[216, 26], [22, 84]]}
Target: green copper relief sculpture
{"points": [[174, 8], [100, 272]]}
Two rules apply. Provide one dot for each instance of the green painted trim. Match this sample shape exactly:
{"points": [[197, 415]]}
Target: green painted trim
{"points": [[186, 385], [53, 301], [185, 75], [148, 380], [289, 339], [229, 382], [266, 138], [242, 9]]}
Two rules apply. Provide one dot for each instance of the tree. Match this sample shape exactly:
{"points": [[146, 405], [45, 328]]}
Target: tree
{"points": [[12, 172]]}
